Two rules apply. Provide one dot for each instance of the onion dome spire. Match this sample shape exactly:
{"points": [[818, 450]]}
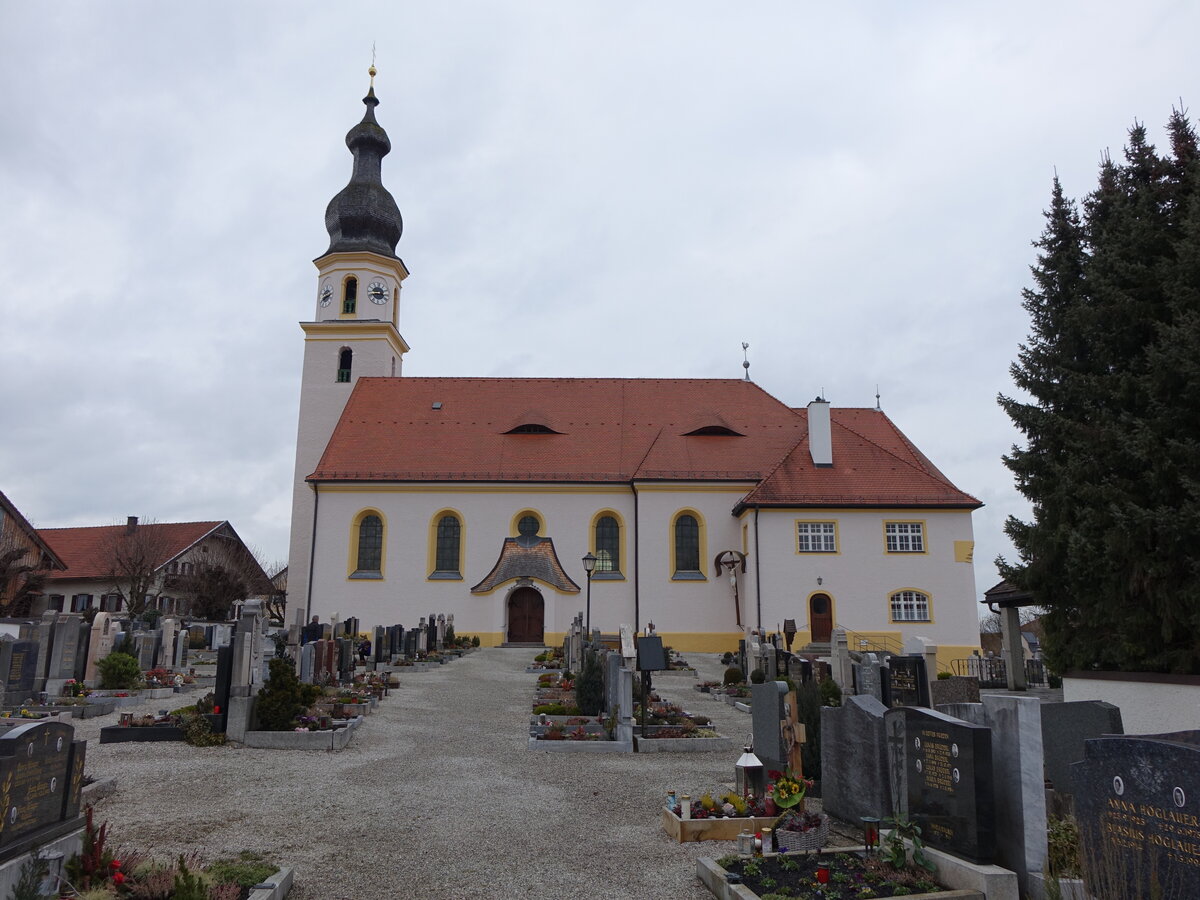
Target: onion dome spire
{"points": [[363, 215]]}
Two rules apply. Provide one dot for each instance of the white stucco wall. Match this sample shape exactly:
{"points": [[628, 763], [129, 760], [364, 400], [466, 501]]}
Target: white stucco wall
{"points": [[859, 578], [1149, 703]]}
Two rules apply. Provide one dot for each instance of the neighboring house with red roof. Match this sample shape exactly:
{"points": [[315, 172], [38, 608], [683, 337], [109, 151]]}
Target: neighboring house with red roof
{"points": [[480, 496], [25, 559], [153, 564]]}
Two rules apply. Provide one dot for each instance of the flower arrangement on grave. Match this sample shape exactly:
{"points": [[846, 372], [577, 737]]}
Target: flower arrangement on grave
{"points": [[75, 688], [23, 713], [786, 789], [160, 677]]}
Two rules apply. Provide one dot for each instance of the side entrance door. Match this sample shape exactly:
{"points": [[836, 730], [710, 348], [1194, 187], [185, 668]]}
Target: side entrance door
{"points": [[820, 618], [526, 614]]}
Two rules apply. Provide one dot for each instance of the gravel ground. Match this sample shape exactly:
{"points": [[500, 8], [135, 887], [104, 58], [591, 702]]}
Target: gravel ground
{"points": [[436, 797]]}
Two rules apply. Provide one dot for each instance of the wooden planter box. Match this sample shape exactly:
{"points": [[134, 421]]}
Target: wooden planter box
{"points": [[714, 879], [685, 830]]}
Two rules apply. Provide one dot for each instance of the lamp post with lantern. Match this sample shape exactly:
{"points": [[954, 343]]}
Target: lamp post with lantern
{"points": [[589, 566]]}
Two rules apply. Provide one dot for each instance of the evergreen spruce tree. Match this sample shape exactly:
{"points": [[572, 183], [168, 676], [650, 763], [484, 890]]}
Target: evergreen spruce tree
{"points": [[1112, 459]]}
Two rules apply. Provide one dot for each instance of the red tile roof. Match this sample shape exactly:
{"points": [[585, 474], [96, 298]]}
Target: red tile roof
{"points": [[86, 553], [615, 430]]}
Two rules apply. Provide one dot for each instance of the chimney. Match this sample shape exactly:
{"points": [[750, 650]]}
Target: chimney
{"points": [[131, 524], [820, 433]]}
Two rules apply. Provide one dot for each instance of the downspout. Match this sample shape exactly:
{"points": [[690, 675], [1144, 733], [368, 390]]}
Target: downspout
{"points": [[757, 571], [637, 567], [312, 554]]}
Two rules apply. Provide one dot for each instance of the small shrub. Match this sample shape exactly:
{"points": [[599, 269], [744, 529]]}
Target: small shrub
{"points": [[758, 676], [119, 670], [945, 676], [1062, 837], [831, 694], [189, 885], [283, 698], [475, 640], [589, 686], [247, 870], [733, 675], [198, 732]]}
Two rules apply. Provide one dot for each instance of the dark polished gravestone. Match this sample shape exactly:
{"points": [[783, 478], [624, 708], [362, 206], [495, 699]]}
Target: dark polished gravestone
{"points": [[766, 712], [1137, 801], [940, 770], [854, 770], [1065, 729], [41, 778], [908, 684], [18, 668]]}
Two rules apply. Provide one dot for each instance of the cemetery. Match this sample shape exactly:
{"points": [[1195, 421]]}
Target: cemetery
{"points": [[846, 779]]}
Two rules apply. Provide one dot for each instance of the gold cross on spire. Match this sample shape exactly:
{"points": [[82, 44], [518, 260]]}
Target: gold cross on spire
{"points": [[371, 71]]}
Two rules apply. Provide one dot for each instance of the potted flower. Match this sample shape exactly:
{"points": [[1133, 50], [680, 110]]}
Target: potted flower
{"points": [[787, 790]]}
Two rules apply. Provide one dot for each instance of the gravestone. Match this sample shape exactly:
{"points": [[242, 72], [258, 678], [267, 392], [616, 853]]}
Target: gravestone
{"points": [[18, 666], [612, 682], [440, 637], [840, 660], [165, 651], [766, 710], [222, 635], [248, 651], [854, 761], [319, 660], [224, 682], [64, 650], [627, 649], [410, 642], [1137, 802], [940, 770], [144, 645], [81, 650], [395, 641], [308, 654], [1065, 728], [908, 682], [41, 771], [351, 627], [1015, 724], [867, 679], [378, 652], [183, 640], [346, 656], [100, 644], [43, 633]]}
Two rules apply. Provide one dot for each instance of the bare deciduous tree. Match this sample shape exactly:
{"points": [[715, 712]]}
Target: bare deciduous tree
{"points": [[133, 555], [20, 578], [225, 573]]}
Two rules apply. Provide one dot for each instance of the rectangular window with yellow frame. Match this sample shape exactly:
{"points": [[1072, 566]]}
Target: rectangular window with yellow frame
{"points": [[905, 537], [816, 537]]}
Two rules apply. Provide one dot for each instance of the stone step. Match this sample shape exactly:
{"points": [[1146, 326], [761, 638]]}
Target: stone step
{"points": [[817, 649]]}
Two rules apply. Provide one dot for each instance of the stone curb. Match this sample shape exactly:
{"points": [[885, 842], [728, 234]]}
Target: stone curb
{"points": [[276, 887]]}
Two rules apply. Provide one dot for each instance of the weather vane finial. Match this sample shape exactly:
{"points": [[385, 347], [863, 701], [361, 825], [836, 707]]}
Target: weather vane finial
{"points": [[371, 71], [746, 359]]}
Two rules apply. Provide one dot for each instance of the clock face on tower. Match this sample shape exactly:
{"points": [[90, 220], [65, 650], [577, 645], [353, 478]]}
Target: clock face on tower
{"points": [[326, 294], [378, 292]]}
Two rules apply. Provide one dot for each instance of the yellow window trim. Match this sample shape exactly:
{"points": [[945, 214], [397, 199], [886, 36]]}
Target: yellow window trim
{"points": [[929, 602], [837, 537], [703, 545], [924, 537], [431, 565], [616, 574], [352, 559], [528, 511]]}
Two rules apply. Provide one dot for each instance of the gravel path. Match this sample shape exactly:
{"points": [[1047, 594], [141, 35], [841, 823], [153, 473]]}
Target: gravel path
{"points": [[436, 797]]}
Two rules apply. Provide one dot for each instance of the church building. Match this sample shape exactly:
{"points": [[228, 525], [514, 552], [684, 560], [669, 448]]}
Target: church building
{"points": [[703, 506]]}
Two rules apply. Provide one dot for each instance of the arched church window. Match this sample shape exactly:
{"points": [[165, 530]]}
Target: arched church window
{"points": [[608, 545], [449, 543], [687, 539], [345, 360], [350, 296], [370, 544]]}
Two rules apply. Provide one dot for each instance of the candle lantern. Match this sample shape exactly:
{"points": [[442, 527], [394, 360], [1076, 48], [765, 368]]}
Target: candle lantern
{"points": [[768, 841], [823, 874], [870, 833], [685, 807], [751, 776], [745, 844]]}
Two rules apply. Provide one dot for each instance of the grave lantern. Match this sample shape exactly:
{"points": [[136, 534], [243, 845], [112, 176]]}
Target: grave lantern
{"points": [[751, 776], [745, 843], [870, 833]]}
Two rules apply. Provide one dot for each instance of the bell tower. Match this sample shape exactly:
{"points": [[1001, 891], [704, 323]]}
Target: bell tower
{"points": [[355, 329]]}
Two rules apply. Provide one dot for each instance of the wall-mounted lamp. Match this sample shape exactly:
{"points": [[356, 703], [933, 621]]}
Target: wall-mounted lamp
{"points": [[820, 581]]}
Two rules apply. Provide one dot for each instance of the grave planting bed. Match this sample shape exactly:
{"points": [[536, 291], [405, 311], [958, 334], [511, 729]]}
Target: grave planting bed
{"points": [[848, 877], [334, 739], [120, 734]]}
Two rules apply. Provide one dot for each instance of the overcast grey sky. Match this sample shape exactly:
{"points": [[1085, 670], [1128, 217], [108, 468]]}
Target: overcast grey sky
{"points": [[611, 189]]}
